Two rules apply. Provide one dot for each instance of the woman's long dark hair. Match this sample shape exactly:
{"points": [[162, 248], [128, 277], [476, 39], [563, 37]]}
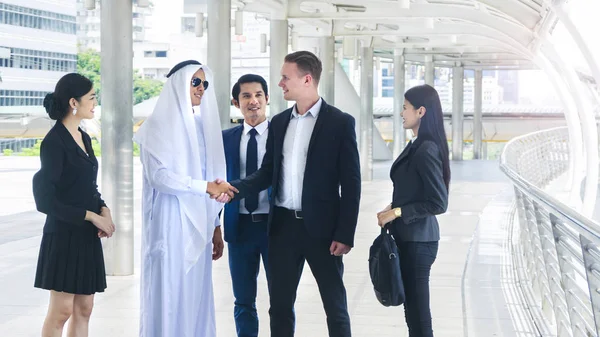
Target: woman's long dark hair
{"points": [[432, 123]]}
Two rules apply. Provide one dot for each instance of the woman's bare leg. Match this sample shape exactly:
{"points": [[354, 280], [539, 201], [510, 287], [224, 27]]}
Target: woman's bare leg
{"points": [[59, 311], [82, 310]]}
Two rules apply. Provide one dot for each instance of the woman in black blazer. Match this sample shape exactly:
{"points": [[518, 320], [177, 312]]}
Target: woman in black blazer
{"points": [[421, 176], [70, 262]]}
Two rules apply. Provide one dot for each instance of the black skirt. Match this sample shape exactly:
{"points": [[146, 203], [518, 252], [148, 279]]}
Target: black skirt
{"points": [[71, 262]]}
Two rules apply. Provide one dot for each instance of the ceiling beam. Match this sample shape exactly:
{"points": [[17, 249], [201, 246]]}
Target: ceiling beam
{"points": [[475, 55], [381, 10], [527, 15], [443, 29], [463, 40], [266, 7], [464, 44], [467, 64]]}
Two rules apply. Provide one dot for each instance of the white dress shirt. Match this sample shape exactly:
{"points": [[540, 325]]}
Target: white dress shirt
{"points": [[261, 140], [295, 150]]}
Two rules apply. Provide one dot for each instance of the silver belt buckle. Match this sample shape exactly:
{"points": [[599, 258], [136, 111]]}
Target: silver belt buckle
{"points": [[254, 219], [296, 215]]}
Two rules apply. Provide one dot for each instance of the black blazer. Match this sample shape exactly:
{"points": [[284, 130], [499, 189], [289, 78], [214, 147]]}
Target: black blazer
{"points": [[419, 190], [332, 162], [65, 186]]}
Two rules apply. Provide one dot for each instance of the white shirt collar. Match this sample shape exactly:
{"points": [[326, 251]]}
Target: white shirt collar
{"points": [[260, 128], [314, 110]]}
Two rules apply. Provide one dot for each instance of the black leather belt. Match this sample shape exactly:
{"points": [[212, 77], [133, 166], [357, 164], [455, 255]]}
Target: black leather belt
{"points": [[255, 217], [292, 213]]}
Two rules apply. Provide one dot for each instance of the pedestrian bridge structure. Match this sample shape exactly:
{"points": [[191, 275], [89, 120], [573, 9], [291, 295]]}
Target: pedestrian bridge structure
{"points": [[520, 247]]}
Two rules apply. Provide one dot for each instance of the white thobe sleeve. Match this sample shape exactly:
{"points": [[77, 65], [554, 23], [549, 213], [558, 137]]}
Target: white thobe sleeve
{"points": [[169, 182]]}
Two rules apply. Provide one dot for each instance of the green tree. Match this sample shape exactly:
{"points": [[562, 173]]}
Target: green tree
{"points": [[33, 151], [144, 89], [97, 147], [88, 65]]}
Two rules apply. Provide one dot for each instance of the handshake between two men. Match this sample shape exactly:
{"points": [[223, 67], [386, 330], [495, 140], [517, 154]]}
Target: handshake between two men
{"points": [[221, 190]]}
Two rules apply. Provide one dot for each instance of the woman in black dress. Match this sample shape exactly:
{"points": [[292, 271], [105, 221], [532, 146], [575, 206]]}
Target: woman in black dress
{"points": [[70, 262], [421, 176]]}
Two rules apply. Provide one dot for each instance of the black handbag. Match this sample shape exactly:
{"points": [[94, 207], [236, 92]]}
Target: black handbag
{"points": [[384, 268]]}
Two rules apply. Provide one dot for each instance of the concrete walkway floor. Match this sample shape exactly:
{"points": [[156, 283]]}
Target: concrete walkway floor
{"points": [[472, 291]]}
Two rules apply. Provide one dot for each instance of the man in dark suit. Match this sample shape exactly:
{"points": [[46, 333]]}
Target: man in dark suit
{"points": [[245, 220], [313, 167]]}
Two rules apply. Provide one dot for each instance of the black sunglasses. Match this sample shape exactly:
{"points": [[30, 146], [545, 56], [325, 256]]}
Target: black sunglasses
{"points": [[196, 82]]}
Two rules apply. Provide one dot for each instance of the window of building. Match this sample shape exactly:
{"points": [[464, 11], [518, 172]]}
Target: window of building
{"points": [[27, 17], [155, 53], [39, 60], [387, 93], [21, 97], [387, 82], [188, 25]]}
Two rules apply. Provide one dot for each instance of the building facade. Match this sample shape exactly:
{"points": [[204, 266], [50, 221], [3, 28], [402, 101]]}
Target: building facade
{"points": [[156, 56], [88, 25], [38, 46]]}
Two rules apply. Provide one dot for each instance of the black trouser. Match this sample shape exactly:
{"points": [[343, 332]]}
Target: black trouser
{"points": [[416, 259], [289, 246]]}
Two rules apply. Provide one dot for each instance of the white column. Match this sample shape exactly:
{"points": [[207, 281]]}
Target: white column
{"points": [[279, 49], [457, 112], [366, 114], [478, 115], [429, 71], [219, 55], [327, 56], [117, 131], [399, 89]]}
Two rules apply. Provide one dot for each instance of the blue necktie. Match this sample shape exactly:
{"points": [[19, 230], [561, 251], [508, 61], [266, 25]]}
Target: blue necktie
{"points": [[251, 167]]}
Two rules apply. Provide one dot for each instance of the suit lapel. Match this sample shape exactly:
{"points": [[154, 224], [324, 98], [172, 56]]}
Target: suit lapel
{"points": [[88, 149], [71, 144], [319, 124], [237, 139], [402, 155]]}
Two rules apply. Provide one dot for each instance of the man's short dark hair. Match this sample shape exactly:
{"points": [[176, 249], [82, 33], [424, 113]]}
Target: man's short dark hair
{"points": [[307, 62], [248, 78]]}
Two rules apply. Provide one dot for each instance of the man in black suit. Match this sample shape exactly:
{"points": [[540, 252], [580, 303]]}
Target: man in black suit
{"points": [[312, 164]]}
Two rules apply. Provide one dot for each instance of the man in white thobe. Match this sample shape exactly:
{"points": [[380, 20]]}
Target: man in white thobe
{"points": [[181, 149]]}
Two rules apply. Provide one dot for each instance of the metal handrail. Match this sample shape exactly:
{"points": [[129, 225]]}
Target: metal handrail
{"points": [[532, 162], [583, 224]]}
